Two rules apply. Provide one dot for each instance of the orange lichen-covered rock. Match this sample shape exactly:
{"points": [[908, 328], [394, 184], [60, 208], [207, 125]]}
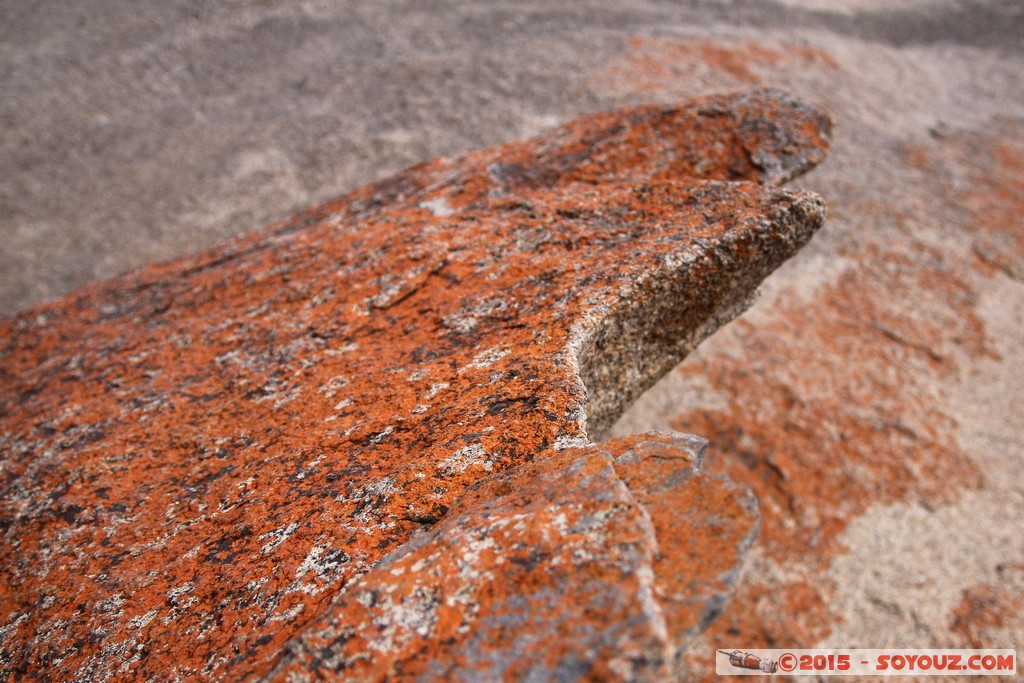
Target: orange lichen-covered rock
{"points": [[580, 564], [358, 444]]}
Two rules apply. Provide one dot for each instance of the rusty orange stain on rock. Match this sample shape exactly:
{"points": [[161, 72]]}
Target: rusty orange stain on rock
{"points": [[880, 418], [508, 585], [996, 202], [874, 415], [843, 418], [989, 198], [359, 442], [654, 64], [986, 611]]}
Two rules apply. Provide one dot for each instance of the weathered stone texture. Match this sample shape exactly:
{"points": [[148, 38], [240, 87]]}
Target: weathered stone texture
{"points": [[360, 441], [870, 398]]}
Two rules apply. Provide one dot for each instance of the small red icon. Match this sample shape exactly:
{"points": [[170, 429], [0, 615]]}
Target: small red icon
{"points": [[744, 660]]}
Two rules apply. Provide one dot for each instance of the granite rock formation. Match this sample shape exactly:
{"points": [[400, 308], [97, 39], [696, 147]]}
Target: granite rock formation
{"points": [[869, 398], [361, 442]]}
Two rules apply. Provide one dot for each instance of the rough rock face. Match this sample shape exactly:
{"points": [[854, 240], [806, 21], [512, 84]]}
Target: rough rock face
{"points": [[870, 397], [360, 442]]}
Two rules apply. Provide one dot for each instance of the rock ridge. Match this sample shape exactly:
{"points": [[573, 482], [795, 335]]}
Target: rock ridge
{"points": [[359, 444]]}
